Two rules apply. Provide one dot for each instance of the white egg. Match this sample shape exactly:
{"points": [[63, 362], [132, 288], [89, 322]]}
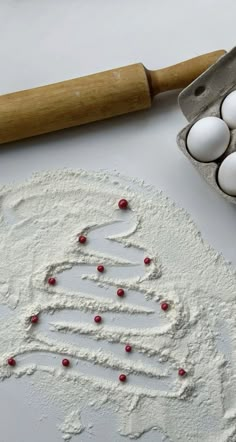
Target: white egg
{"points": [[208, 139], [228, 110], [227, 175]]}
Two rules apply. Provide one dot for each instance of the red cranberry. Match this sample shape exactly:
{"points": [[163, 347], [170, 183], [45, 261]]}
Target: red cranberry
{"points": [[51, 281], [120, 292], [123, 204], [122, 377], [11, 362], [128, 348], [147, 260], [65, 362], [97, 319], [100, 268], [82, 239]]}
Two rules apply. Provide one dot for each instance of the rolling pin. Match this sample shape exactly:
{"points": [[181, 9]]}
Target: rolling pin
{"points": [[95, 97]]}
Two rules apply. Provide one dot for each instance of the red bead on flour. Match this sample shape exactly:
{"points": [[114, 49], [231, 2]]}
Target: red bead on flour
{"points": [[120, 292], [34, 319], [164, 306], [11, 362], [51, 281], [181, 372], [122, 377], [82, 239], [123, 204], [65, 362]]}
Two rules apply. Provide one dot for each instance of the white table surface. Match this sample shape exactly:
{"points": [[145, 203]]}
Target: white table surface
{"points": [[50, 40]]}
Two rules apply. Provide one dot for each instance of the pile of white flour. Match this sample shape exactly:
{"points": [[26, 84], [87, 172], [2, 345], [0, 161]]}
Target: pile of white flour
{"points": [[40, 221]]}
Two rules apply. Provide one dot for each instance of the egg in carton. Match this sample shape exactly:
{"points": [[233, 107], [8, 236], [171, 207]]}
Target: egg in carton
{"points": [[204, 98]]}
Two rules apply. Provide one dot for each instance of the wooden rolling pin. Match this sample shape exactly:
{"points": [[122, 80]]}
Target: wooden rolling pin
{"points": [[95, 97]]}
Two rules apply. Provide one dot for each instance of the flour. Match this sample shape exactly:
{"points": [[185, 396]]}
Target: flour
{"points": [[40, 221]]}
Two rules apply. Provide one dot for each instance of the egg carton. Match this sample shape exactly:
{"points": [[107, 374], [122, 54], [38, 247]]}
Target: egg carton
{"points": [[203, 98]]}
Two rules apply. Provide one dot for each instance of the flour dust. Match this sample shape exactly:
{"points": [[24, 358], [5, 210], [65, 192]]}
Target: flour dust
{"points": [[40, 222]]}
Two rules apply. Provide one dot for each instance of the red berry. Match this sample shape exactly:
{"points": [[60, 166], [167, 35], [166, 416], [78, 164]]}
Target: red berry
{"points": [[181, 372], [11, 362], [97, 319], [82, 239], [65, 362], [52, 281], [34, 319], [120, 292], [147, 260], [164, 306], [100, 268], [122, 377], [123, 204], [128, 348]]}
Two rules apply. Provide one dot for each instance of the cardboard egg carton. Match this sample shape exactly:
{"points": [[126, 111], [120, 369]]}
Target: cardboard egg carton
{"points": [[204, 98]]}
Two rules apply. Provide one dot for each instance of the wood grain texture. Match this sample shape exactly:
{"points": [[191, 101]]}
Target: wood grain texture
{"points": [[73, 102], [182, 74], [95, 97]]}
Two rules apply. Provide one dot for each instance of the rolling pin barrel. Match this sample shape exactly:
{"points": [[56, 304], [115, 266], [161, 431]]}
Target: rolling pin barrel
{"points": [[95, 97]]}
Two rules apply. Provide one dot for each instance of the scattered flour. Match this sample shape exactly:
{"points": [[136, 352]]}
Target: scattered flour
{"points": [[40, 221]]}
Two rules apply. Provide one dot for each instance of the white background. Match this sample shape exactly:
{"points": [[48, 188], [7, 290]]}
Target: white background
{"points": [[46, 41]]}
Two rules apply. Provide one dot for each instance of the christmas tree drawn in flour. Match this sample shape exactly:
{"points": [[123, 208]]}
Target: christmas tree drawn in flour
{"points": [[64, 328], [39, 226]]}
